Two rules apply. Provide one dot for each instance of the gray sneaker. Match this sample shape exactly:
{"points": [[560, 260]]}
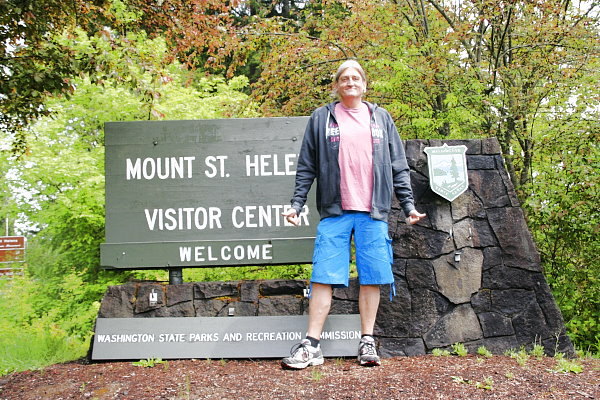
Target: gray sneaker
{"points": [[303, 355], [367, 354]]}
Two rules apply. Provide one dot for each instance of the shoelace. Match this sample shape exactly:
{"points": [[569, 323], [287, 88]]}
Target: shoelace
{"points": [[368, 348], [300, 347]]}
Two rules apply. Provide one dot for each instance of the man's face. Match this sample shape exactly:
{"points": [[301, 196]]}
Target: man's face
{"points": [[350, 84]]}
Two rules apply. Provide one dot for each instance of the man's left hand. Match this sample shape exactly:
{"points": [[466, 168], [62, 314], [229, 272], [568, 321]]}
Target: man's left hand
{"points": [[414, 216]]}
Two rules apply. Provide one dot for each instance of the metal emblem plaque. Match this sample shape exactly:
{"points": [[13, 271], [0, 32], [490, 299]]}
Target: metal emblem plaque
{"points": [[448, 170]]}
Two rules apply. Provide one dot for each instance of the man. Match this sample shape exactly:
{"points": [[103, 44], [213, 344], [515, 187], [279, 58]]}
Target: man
{"points": [[353, 150]]}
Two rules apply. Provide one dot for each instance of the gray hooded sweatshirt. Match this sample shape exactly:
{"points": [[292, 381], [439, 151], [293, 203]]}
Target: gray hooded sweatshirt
{"points": [[318, 160]]}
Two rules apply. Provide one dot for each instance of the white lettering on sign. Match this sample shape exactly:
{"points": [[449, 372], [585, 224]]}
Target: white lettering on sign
{"points": [[216, 166], [226, 253], [232, 337], [131, 338], [204, 337], [171, 338], [184, 218], [340, 335], [270, 164], [271, 336], [264, 216], [161, 168]]}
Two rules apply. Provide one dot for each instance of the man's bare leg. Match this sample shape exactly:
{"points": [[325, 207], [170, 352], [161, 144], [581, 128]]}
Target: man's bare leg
{"points": [[318, 309], [368, 304]]}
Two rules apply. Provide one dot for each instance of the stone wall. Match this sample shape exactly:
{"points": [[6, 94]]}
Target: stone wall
{"points": [[468, 273]]}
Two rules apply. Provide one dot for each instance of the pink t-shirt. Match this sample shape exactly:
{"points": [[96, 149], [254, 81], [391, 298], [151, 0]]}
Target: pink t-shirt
{"points": [[355, 157]]}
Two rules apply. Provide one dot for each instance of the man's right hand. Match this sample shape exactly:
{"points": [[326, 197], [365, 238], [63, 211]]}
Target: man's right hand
{"points": [[291, 217]]}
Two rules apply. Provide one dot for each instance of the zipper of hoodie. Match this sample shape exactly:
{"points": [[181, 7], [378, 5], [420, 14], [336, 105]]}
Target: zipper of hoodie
{"points": [[373, 121]]}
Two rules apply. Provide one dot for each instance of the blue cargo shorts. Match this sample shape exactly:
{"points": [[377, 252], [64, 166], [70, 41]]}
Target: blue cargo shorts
{"points": [[373, 245]]}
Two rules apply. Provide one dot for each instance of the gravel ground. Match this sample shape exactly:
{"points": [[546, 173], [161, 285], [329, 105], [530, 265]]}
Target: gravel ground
{"points": [[423, 377]]}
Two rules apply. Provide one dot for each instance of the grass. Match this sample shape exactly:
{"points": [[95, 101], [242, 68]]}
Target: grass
{"points": [[521, 356], [565, 366], [487, 383], [482, 351], [440, 353], [37, 350], [150, 362], [459, 349], [316, 374]]}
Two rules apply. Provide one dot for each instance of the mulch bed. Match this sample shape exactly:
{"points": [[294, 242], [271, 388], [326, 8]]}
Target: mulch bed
{"points": [[423, 377]]}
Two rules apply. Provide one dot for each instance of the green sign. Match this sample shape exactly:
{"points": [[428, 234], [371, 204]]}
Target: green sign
{"points": [[204, 193], [448, 170]]}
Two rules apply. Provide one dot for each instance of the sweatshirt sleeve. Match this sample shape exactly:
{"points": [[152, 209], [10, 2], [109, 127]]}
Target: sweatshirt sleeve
{"points": [[400, 168], [306, 169]]}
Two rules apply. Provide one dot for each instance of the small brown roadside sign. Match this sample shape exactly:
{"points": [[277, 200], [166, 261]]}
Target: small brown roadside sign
{"points": [[12, 249]]}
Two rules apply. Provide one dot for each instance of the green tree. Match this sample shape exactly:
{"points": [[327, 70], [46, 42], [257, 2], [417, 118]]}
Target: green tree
{"points": [[58, 186], [34, 65]]}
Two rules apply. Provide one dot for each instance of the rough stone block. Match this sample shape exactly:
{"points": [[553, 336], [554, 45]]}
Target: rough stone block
{"points": [[118, 302], [280, 305], [183, 309], [420, 274], [159, 312], [349, 293], [483, 236], [415, 155], [417, 242], [344, 307], [439, 216], [457, 281], [393, 317], [481, 162], [510, 189], [179, 293], [467, 205], [461, 325], [490, 146], [515, 240], [530, 325], [426, 309], [249, 291], [501, 277], [494, 324], [560, 343], [240, 309], [394, 347], [482, 301], [511, 301], [283, 287], [548, 305], [209, 308], [399, 269], [208, 290], [497, 344], [492, 257], [473, 233], [142, 303], [420, 186], [489, 187]]}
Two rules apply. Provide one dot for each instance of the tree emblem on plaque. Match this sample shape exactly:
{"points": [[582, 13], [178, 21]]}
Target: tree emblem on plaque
{"points": [[448, 170]]}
